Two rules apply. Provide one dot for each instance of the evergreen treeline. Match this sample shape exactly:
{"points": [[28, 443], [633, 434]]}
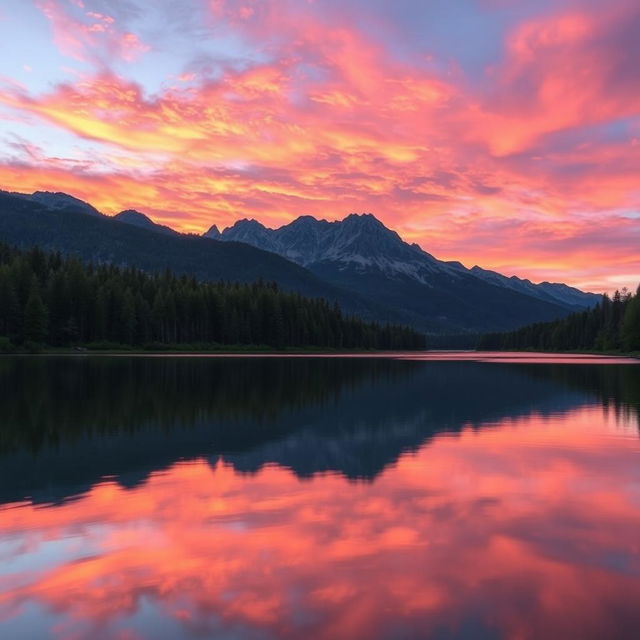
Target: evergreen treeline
{"points": [[612, 325], [46, 298]]}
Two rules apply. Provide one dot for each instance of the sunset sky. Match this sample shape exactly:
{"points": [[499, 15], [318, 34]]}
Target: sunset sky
{"points": [[504, 133]]}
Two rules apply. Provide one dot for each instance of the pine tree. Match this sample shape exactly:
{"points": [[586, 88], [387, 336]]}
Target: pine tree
{"points": [[630, 331], [9, 309], [35, 315]]}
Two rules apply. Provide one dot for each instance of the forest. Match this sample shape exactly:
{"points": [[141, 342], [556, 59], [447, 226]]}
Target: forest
{"points": [[47, 299], [612, 325]]}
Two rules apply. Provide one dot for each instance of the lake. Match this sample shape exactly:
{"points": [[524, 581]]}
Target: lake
{"points": [[407, 496]]}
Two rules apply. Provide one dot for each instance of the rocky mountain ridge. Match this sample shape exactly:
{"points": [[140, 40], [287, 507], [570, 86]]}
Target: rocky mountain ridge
{"points": [[357, 262], [362, 242]]}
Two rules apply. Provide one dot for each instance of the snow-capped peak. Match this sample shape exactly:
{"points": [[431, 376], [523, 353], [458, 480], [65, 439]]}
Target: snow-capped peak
{"points": [[359, 241]]}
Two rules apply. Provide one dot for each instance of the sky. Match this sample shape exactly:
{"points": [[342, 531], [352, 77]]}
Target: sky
{"points": [[503, 133]]}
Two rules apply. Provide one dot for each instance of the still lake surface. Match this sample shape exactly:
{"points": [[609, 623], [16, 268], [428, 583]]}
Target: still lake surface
{"points": [[435, 496]]}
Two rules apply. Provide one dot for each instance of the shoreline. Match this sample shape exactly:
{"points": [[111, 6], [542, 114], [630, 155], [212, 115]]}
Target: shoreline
{"points": [[265, 352], [236, 351]]}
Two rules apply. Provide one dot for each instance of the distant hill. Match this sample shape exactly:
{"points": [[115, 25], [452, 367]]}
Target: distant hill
{"points": [[137, 219], [358, 262], [551, 291], [58, 200]]}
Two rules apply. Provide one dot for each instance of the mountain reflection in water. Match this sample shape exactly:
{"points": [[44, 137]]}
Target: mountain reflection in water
{"points": [[325, 498]]}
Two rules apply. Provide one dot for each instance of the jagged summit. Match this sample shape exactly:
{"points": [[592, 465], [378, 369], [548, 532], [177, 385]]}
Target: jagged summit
{"points": [[245, 223], [360, 241], [251, 232], [364, 220], [212, 232]]}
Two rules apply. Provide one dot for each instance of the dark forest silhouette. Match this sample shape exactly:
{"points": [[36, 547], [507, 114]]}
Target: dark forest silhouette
{"points": [[46, 298], [612, 325]]}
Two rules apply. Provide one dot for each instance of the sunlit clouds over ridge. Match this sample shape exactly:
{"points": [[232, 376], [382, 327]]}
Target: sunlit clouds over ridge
{"points": [[495, 132]]}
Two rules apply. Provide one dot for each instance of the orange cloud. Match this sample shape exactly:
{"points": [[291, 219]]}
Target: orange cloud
{"points": [[325, 121]]}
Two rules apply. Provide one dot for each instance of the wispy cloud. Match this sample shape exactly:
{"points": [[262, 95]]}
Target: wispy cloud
{"points": [[89, 35]]}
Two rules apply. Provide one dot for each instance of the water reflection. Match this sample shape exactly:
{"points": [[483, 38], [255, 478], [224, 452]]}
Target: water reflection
{"points": [[439, 499]]}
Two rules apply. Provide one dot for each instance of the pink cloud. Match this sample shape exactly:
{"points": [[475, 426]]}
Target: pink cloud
{"points": [[329, 122], [88, 35], [562, 71]]}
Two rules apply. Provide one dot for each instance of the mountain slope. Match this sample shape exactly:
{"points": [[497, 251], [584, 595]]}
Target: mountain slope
{"points": [[361, 254], [103, 239], [57, 200], [213, 232], [363, 240], [549, 291], [359, 241], [137, 219]]}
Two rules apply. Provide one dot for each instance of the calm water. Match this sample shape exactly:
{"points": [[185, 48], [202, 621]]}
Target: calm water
{"points": [[329, 498]]}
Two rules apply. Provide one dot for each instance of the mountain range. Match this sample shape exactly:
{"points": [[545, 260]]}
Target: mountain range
{"points": [[358, 262], [361, 248]]}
